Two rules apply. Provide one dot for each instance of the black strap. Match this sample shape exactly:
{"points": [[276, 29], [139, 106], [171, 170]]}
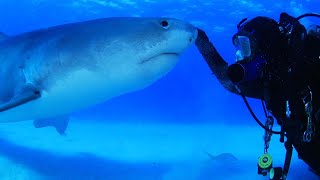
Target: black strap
{"points": [[287, 161], [308, 14], [282, 134], [257, 120]]}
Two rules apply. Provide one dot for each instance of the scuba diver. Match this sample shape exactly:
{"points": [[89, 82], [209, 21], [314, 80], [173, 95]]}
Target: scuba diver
{"points": [[279, 63]]}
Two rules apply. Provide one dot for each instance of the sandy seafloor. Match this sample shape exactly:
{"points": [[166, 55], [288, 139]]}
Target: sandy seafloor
{"points": [[132, 151]]}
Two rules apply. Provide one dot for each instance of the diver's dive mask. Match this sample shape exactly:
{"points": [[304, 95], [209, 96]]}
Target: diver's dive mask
{"points": [[249, 64], [243, 47]]}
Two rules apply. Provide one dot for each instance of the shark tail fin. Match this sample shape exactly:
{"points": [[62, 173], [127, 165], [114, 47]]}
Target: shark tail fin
{"points": [[60, 123]]}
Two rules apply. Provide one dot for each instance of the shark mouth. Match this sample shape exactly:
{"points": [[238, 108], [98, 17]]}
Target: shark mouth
{"points": [[154, 57]]}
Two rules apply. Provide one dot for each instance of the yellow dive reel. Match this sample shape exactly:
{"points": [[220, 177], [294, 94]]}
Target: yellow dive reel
{"points": [[264, 164]]}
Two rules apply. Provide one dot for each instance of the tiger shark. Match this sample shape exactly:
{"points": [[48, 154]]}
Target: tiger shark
{"points": [[48, 73]]}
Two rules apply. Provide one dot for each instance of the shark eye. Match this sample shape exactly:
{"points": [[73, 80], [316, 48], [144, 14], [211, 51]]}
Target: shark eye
{"points": [[164, 24]]}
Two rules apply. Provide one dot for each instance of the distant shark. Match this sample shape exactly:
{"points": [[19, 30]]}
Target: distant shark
{"points": [[49, 73], [222, 157]]}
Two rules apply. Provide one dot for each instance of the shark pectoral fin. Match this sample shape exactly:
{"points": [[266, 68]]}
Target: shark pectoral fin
{"points": [[26, 94], [60, 123]]}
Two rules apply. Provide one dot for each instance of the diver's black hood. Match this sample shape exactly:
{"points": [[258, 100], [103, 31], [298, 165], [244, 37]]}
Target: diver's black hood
{"points": [[266, 36]]}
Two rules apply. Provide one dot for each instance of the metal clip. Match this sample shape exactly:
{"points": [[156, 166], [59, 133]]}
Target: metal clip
{"points": [[307, 136], [308, 133], [267, 134]]}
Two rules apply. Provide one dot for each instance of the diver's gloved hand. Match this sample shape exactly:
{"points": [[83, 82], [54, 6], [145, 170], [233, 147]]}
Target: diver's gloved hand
{"points": [[202, 38], [206, 48], [209, 53], [215, 62]]}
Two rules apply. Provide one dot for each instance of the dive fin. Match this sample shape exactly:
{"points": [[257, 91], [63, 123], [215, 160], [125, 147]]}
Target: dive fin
{"points": [[60, 123], [26, 94], [3, 36]]}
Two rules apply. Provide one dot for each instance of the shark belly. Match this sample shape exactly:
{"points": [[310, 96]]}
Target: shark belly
{"points": [[78, 90]]}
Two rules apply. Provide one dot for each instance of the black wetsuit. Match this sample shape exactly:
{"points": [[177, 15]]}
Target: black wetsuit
{"points": [[305, 72]]}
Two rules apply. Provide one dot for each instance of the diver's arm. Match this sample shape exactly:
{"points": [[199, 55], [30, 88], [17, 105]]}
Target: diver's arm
{"points": [[215, 62]]}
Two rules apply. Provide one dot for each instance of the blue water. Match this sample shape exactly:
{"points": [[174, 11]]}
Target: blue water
{"points": [[159, 132]]}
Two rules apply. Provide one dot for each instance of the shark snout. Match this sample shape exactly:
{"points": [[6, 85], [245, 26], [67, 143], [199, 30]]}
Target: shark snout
{"points": [[192, 32]]}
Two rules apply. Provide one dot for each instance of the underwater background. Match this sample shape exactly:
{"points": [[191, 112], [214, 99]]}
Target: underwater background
{"points": [[185, 126]]}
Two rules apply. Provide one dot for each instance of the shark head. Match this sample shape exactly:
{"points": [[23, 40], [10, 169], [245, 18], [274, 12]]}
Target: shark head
{"points": [[169, 39], [146, 49]]}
